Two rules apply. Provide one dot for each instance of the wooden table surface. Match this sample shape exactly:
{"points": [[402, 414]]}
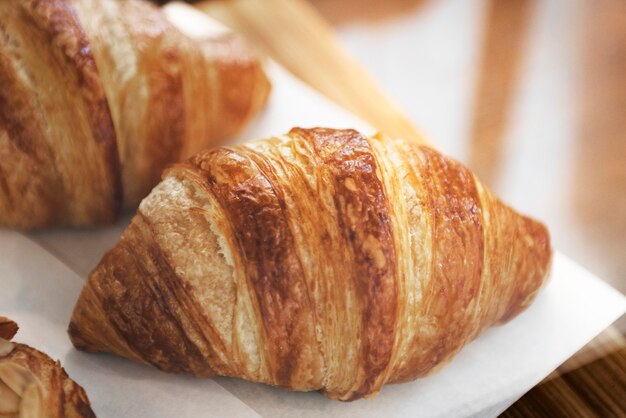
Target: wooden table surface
{"points": [[582, 190]]}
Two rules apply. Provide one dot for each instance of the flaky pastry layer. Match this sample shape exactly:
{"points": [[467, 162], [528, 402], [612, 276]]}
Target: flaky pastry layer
{"points": [[319, 260]]}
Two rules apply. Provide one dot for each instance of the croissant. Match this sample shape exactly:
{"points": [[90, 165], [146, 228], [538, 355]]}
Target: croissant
{"points": [[33, 385], [319, 260], [97, 96]]}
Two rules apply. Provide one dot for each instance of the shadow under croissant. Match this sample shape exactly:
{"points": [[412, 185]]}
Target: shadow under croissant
{"points": [[113, 366]]}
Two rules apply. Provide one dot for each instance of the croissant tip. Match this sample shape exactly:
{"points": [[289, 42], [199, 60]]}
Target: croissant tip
{"points": [[76, 337], [89, 329]]}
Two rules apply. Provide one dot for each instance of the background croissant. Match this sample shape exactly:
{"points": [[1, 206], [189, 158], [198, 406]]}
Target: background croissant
{"points": [[32, 385], [319, 260], [97, 96]]}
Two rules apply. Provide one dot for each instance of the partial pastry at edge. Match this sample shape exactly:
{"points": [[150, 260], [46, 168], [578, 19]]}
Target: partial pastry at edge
{"points": [[98, 96], [33, 385], [318, 260]]}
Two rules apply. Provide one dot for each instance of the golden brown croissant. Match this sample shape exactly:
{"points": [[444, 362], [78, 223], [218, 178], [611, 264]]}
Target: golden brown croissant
{"points": [[97, 96], [33, 385], [319, 260]]}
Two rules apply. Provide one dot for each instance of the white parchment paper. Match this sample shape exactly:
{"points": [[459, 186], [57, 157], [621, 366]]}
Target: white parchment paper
{"points": [[41, 276]]}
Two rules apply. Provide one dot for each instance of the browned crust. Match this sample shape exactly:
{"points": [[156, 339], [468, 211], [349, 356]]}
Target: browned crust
{"points": [[179, 96], [369, 261], [61, 396], [243, 89], [150, 109], [451, 198], [24, 148], [363, 218], [168, 346], [8, 328], [184, 95], [533, 241], [251, 195], [59, 19], [64, 65]]}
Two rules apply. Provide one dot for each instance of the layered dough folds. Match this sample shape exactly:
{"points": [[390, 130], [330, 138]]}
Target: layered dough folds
{"points": [[318, 260], [32, 385], [97, 96]]}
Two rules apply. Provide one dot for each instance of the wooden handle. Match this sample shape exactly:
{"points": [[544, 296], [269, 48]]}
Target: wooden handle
{"points": [[307, 46]]}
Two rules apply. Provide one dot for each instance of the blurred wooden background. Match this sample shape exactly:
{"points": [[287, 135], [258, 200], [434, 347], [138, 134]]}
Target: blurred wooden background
{"points": [[530, 94]]}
